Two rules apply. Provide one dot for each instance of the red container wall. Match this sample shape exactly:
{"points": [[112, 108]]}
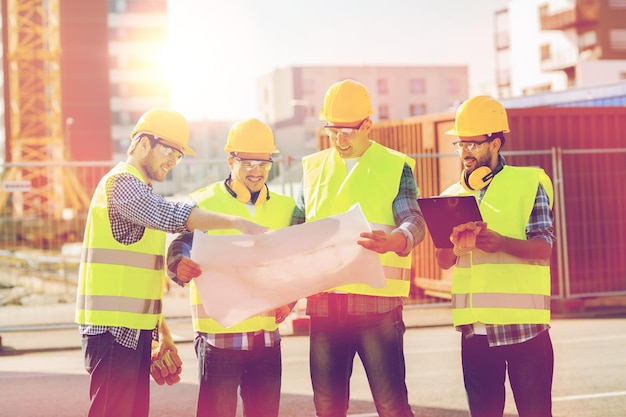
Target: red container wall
{"points": [[589, 146], [594, 187]]}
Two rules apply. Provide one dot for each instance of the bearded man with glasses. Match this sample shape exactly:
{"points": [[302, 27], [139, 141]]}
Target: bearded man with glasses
{"points": [[501, 277], [359, 319], [244, 358]]}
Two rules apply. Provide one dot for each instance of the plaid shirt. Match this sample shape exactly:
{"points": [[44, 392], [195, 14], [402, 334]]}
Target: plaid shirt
{"points": [[132, 207], [540, 224], [180, 248], [408, 215]]}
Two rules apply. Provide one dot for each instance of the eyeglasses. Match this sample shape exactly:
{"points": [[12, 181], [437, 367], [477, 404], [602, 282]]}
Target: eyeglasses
{"points": [[166, 150], [334, 130], [250, 164], [469, 146]]}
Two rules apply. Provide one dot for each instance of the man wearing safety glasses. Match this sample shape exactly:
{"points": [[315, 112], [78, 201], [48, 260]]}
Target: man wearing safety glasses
{"points": [[360, 319], [120, 285], [246, 357], [501, 277]]}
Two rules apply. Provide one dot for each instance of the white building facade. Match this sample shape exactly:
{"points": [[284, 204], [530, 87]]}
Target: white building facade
{"points": [[553, 45], [290, 99]]}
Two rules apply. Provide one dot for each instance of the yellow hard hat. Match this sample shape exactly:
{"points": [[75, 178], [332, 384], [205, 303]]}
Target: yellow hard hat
{"points": [[346, 101], [168, 125], [480, 115], [252, 136]]}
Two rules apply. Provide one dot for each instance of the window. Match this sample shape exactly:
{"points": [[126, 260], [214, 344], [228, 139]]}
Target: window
{"points": [[617, 39], [417, 109], [545, 52], [383, 88], [617, 4], [383, 112], [587, 39], [309, 111], [117, 6], [308, 86], [417, 86], [454, 86]]}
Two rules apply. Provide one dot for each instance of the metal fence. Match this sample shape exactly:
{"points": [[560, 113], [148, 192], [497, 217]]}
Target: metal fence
{"points": [[40, 246], [41, 251]]}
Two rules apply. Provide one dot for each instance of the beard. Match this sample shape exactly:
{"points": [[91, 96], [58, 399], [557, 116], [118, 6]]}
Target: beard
{"points": [[153, 169], [483, 161]]}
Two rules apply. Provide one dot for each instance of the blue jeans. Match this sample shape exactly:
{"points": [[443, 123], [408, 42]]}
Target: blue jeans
{"points": [[222, 372], [378, 339], [119, 376], [530, 368]]}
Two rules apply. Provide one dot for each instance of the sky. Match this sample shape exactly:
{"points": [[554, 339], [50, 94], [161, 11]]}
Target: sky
{"points": [[219, 48]]}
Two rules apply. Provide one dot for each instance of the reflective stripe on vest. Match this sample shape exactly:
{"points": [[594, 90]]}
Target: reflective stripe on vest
{"points": [[501, 300], [275, 213], [498, 288], [118, 285], [203, 323], [329, 190], [112, 303], [123, 257]]}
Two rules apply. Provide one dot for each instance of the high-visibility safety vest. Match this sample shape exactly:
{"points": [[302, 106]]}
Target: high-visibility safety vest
{"points": [[498, 288], [274, 213], [119, 285], [329, 190]]}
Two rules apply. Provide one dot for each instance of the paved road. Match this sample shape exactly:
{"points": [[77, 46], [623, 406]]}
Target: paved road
{"points": [[589, 380]]}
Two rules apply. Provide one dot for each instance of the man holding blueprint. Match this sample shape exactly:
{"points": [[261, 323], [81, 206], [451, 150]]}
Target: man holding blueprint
{"points": [[244, 356], [357, 318]]}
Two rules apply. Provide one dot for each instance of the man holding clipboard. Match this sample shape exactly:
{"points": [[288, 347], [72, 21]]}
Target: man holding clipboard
{"points": [[501, 279]]}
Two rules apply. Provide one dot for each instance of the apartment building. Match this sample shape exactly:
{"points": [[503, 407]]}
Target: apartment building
{"points": [[554, 45], [289, 99]]}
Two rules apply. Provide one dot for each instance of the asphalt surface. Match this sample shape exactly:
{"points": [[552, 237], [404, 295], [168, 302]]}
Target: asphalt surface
{"points": [[41, 370]]}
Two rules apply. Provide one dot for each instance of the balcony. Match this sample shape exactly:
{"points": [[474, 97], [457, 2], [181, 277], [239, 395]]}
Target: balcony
{"points": [[581, 16], [560, 60]]}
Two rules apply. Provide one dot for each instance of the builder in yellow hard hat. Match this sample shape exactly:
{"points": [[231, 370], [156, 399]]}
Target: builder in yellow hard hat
{"points": [[501, 282], [120, 285], [359, 319], [246, 357]]}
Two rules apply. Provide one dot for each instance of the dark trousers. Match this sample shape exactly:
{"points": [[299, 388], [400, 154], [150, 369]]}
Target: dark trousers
{"points": [[255, 373], [378, 340], [530, 368], [119, 376]]}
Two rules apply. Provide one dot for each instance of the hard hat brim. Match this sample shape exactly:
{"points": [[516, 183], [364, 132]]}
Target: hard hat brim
{"points": [[186, 150]]}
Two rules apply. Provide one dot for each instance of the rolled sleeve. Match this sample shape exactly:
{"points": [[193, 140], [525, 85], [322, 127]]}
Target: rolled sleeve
{"points": [[407, 213], [178, 249]]}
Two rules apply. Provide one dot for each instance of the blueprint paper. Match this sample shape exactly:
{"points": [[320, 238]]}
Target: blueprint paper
{"points": [[245, 275]]}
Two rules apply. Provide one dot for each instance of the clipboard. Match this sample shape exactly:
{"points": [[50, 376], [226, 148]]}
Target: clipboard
{"points": [[443, 213]]}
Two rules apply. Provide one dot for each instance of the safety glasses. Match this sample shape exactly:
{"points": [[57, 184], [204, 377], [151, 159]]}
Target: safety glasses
{"points": [[469, 146], [334, 130], [166, 150], [250, 164]]}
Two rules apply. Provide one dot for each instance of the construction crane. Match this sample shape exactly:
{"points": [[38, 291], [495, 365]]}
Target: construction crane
{"points": [[36, 134]]}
